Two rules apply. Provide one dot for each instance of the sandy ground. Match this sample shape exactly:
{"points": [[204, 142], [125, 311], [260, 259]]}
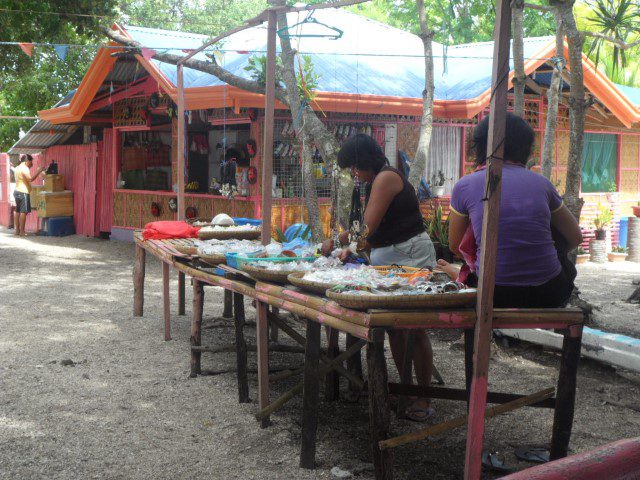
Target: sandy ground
{"points": [[124, 407]]}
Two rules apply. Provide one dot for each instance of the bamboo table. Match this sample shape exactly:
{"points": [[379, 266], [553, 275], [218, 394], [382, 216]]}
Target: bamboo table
{"points": [[368, 328]]}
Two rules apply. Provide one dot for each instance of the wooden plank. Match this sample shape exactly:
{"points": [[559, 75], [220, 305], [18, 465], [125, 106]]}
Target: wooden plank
{"points": [[241, 349], [166, 309], [332, 380], [489, 241], [262, 335], [310, 397], [379, 409], [460, 421], [196, 327], [267, 143], [181, 293], [354, 366], [181, 142], [227, 311], [138, 281], [406, 375], [566, 398]]}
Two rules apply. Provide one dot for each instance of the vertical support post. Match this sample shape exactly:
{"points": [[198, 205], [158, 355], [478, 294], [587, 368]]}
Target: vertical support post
{"points": [[354, 363], [241, 349], [273, 328], [310, 396], [379, 406], [269, 112], [468, 360], [489, 241], [196, 327], [166, 304], [332, 380], [262, 340], [566, 392], [138, 281], [406, 375], [180, 293], [227, 311], [181, 142]]}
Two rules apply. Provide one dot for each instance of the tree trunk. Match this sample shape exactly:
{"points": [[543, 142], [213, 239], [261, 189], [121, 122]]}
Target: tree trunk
{"points": [[519, 77], [426, 122], [577, 107], [310, 192], [553, 94]]}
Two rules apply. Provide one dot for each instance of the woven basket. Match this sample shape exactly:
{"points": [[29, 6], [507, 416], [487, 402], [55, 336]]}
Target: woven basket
{"points": [[311, 286], [205, 221], [267, 275], [213, 259], [237, 235], [427, 300], [186, 250]]}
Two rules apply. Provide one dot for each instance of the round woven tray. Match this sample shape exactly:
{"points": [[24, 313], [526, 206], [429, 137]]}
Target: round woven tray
{"points": [[267, 275], [213, 259], [315, 287], [223, 235], [427, 300]]}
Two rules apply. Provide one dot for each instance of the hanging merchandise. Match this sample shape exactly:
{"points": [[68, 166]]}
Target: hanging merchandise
{"points": [[155, 209], [191, 212], [252, 147], [252, 175], [173, 204]]}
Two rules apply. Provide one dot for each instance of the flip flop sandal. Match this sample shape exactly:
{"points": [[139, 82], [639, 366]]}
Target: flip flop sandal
{"points": [[495, 462], [533, 454], [419, 414]]}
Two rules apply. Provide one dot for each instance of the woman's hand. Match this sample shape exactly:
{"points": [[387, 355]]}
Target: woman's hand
{"points": [[344, 254], [327, 247]]}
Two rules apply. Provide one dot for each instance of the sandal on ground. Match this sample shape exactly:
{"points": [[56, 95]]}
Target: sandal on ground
{"points": [[533, 454], [419, 414], [495, 461]]}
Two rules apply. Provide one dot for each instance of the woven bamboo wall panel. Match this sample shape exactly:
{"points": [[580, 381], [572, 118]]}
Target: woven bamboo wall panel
{"points": [[629, 181], [145, 206], [560, 180], [133, 204], [408, 135], [531, 113], [629, 151], [118, 209], [562, 148], [283, 217]]}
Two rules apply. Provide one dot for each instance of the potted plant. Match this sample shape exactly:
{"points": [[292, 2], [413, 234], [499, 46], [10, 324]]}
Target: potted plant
{"points": [[581, 256], [618, 254], [602, 219], [436, 184], [438, 231]]}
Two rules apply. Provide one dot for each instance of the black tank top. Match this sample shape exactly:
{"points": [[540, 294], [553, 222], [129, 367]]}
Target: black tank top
{"points": [[402, 220]]}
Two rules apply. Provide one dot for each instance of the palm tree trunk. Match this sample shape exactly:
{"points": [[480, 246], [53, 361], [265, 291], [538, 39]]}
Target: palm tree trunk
{"points": [[553, 94]]}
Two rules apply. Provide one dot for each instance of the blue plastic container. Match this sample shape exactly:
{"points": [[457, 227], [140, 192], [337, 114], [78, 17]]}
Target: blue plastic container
{"points": [[58, 226], [296, 230], [624, 229], [232, 260], [256, 222]]}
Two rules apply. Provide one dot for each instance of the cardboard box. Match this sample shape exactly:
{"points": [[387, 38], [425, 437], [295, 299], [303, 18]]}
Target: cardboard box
{"points": [[53, 183], [34, 197], [55, 204]]}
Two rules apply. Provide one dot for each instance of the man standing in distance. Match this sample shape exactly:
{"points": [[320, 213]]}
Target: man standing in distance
{"points": [[23, 191]]}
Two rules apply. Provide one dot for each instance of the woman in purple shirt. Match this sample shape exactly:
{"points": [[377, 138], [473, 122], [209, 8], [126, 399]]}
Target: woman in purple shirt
{"points": [[528, 267]]}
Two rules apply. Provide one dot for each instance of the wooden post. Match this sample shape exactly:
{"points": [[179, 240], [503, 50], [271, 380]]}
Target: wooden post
{"points": [[181, 142], [310, 396], [274, 331], [241, 349], [566, 395], [138, 281], [166, 309], [227, 312], [180, 293], [354, 363], [489, 241], [379, 406], [406, 375], [269, 112], [196, 327], [468, 360], [262, 340], [332, 380]]}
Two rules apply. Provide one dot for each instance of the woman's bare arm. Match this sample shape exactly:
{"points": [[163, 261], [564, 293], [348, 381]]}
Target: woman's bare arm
{"points": [[567, 225], [457, 227], [384, 189]]}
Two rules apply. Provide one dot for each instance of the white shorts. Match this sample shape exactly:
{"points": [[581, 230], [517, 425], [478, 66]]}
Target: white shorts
{"points": [[416, 252]]}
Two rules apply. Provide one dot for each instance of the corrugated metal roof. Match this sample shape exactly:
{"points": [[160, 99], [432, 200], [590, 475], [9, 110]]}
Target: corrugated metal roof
{"points": [[370, 58], [632, 93], [42, 135]]}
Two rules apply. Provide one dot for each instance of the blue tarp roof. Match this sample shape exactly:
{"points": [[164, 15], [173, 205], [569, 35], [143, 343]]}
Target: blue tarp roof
{"points": [[370, 58]]}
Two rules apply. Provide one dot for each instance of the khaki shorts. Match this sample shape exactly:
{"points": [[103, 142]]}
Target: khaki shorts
{"points": [[416, 252]]}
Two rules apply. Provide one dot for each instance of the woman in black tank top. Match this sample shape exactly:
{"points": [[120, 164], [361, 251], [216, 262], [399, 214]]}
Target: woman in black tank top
{"points": [[397, 236]]}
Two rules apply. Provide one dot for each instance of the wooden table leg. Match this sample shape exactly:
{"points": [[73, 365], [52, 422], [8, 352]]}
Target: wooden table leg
{"points": [[406, 376], [262, 334], [379, 406], [180, 293], [241, 348], [468, 360], [166, 310], [227, 312], [138, 281], [332, 380], [310, 396], [196, 327], [354, 363], [566, 392], [273, 328]]}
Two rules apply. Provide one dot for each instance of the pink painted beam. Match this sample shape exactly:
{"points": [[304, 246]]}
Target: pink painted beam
{"points": [[615, 461]]}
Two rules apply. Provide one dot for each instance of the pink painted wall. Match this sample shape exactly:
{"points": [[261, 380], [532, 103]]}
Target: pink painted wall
{"points": [[5, 208]]}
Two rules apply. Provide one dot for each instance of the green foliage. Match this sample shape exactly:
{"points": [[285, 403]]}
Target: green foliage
{"points": [[580, 251], [437, 229], [604, 217], [619, 249], [257, 68]]}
